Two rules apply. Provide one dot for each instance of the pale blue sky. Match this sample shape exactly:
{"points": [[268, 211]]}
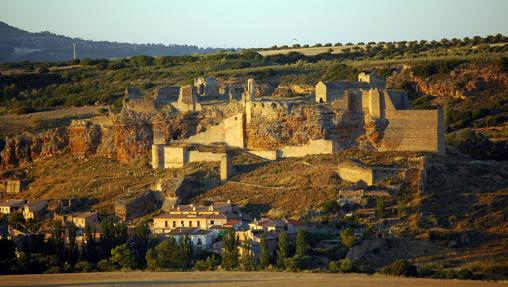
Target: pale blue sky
{"points": [[258, 23]]}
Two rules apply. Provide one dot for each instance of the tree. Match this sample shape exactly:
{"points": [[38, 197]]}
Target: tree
{"points": [[230, 254], [122, 255], [330, 206], [56, 242], [247, 263], [170, 254], [380, 207], [401, 207], [167, 253], [15, 219], [7, 249], [140, 244], [184, 255], [282, 249], [152, 262], [113, 233], [11, 91], [302, 246], [89, 250], [264, 252], [73, 250], [347, 237], [297, 263]]}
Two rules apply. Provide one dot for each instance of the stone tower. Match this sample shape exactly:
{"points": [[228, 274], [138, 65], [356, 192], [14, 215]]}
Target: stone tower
{"points": [[248, 97]]}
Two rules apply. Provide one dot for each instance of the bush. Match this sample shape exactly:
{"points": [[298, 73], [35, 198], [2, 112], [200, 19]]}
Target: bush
{"points": [[462, 274], [400, 267], [106, 266], [299, 263], [209, 264], [84, 266], [122, 255], [347, 237], [345, 265], [330, 206], [477, 145]]}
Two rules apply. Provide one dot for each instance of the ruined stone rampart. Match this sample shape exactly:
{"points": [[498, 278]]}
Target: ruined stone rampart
{"points": [[230, 131], [176, 157], [414, 130], [356, 171], [320, 146]]}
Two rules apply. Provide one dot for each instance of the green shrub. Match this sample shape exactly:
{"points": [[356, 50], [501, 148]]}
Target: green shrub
{"points": [[299, 263], [84, 266], [330, 206], [462, 274], [106, 266], [400, 267]]}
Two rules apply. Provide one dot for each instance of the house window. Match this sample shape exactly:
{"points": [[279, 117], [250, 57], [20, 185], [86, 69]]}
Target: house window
{"points": [[199, 242], [212, 222], [181, 223], [165, 224], [190, 223], [174, 223], [199, 223]]}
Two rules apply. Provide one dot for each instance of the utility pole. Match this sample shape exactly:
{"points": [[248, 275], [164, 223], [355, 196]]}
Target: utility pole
{"points": [[74, 46]]}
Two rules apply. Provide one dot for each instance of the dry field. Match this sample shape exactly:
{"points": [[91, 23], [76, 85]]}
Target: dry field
{"points": [[237, 279], [13, 124], [311, 51]]}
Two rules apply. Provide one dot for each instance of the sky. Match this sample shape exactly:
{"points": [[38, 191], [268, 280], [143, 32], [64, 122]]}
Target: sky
{"points": [[258, 23]]}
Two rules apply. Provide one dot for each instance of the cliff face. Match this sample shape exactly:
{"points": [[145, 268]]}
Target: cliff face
{"points": [[20, 150], [84, 138], [460, 83], [130, 136]]}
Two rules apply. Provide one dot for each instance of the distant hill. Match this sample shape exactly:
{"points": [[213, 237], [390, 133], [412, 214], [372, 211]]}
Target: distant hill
{"points": [[20, 45]]}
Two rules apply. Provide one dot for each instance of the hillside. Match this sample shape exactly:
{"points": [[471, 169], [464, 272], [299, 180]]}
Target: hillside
{"points": [[20, 45], [453, 217]]}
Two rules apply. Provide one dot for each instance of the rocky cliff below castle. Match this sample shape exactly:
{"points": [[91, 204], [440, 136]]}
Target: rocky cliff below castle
{"points": [[130, 135]]}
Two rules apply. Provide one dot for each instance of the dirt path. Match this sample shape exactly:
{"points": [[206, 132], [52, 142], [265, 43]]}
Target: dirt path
{"points": [[279, 279]]}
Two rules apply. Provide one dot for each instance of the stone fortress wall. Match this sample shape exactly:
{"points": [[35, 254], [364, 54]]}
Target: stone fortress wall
{"points": [[406, 130], [175, 157], [396, 126]]}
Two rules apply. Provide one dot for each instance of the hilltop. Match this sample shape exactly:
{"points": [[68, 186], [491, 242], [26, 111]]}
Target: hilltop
{"points": [[21, 45]]}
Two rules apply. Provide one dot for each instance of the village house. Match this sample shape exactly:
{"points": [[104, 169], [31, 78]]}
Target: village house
{"points": [[270, 229], [290, 226], [80, 219], [11, 205], [201, 239], [34, 210], [203, 217]]}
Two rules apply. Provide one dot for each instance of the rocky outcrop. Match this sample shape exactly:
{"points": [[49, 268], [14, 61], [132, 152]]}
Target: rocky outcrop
{"points": [[130, 136], [84, 138], [23, 149], [375, 130], [464, 81]]}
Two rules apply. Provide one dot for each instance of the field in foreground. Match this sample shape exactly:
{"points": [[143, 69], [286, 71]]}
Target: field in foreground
{"points": [[228, 279]]}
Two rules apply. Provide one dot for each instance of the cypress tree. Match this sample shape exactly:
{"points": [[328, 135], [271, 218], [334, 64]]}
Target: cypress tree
{"points": [[282, 249], [264, 253]]}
